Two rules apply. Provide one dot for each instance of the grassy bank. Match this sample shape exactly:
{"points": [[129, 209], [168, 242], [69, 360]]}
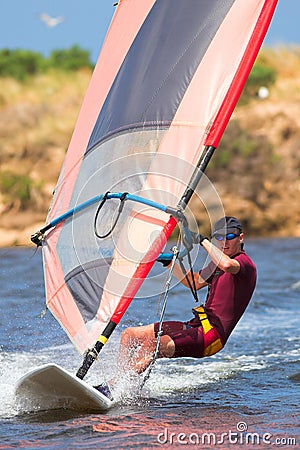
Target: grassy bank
{"points": [[255, 170]]}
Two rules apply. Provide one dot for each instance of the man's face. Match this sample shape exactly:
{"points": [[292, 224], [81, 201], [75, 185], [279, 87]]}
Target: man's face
{"points": [[231, 246]]}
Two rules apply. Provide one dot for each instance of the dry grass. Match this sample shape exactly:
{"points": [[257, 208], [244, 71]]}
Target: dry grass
{"points": [[37, 119], [36, 123], [40, 113], [285, 60]]}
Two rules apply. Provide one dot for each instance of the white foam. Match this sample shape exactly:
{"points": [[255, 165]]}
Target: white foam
{"points": [[15, 365], [296, 285], [187, 374], [167, 377]]}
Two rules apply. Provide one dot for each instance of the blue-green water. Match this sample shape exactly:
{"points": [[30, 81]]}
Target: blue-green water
{"points": [[247, 395]]}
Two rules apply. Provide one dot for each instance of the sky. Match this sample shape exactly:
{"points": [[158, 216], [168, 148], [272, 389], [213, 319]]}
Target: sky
{"points": [[85, 23]]}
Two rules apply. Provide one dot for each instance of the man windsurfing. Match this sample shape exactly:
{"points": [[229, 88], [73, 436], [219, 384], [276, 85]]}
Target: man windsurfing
{"points": [[231, 279]]}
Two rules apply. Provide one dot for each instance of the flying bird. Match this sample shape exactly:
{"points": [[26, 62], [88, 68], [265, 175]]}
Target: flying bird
{"points": [[51, 22]]}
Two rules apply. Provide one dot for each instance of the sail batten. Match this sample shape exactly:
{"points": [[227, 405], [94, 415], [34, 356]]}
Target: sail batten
{"points": [[166, 82]]}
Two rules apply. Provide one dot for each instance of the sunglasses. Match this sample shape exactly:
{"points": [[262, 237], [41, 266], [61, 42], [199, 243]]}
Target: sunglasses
{"points": [[227, 237]]}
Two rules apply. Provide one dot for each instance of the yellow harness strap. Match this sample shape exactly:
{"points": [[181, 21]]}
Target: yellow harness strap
{"points": [[213, 346], [201, 313]]}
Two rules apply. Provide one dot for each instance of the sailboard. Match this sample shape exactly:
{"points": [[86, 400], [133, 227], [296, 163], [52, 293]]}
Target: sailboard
{"points": [[52, 387], [167, 80]]}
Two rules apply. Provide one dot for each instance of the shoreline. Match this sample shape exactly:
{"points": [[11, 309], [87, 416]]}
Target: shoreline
{"points": [[18, 237], [21, 237]]}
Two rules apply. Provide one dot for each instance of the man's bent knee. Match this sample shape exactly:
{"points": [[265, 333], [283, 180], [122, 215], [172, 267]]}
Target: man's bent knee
{"points": [[141, 333], [166, 347]]}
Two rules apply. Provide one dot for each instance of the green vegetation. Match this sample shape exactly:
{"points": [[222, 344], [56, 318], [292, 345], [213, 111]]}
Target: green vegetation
{"points": [[238, 145], [16, 189], [72, 59], [20, 64], [242, 162], [260, 75], [235, 142]]}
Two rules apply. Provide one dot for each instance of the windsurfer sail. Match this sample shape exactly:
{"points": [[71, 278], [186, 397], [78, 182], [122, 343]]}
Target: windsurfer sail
{"points": [[166, 82]]}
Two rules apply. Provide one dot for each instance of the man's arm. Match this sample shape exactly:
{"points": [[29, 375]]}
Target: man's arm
{"points": [[199, 282], [221, 260]]}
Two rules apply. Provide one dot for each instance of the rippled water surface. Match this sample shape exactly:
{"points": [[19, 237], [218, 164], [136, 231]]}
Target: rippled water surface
{"points": [[247, 395]]}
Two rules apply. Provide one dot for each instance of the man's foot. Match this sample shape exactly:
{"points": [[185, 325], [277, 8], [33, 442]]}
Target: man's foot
{"points": [[105, 390]]}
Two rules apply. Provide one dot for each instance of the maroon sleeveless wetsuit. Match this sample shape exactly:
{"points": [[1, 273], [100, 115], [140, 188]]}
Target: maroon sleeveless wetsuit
{"points": [[227, 299]]}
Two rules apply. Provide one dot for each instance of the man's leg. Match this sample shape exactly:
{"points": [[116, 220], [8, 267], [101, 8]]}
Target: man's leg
{"points": [[138, 345]]}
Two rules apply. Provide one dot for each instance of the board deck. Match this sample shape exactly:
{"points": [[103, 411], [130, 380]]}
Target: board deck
{"points": [[52, 387]]}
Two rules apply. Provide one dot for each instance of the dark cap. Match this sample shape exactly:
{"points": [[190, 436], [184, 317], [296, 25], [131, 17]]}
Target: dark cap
{"points": [[227, 224]]}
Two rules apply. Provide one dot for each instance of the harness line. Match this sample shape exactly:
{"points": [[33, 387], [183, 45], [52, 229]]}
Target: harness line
{"points": [[162, 314]]}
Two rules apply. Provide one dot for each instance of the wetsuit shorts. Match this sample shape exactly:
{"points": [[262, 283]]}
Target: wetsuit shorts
{"points": [[189, 341], [188, 337]]}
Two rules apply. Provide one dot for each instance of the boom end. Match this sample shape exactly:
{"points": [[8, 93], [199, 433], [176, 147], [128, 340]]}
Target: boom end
{"points": [[37, 238]]}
